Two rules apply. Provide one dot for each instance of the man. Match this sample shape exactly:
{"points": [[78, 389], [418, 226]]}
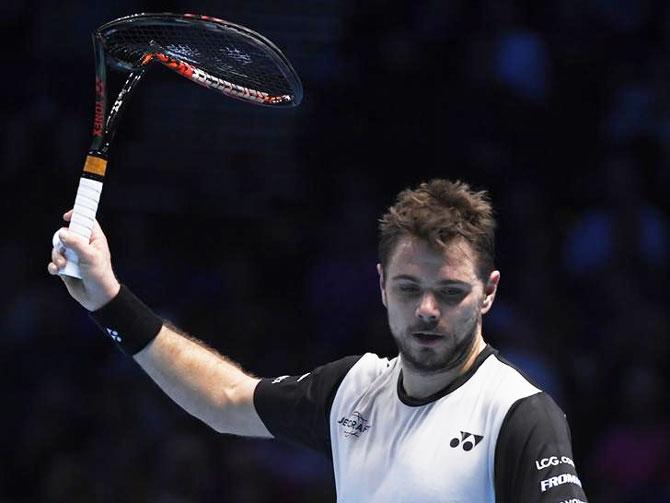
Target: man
{"points": [[446, 420]]}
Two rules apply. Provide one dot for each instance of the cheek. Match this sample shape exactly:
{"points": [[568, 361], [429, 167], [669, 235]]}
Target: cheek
{"points": [[470, 315], [462, 315], [399, 314], [396, 303]]}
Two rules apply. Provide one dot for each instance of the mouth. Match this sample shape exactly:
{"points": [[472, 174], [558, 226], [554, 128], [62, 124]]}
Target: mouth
{"points": [[427, 338]]}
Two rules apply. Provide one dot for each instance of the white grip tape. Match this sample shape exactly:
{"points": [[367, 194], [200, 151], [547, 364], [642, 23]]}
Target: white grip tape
{"points": [[85, 207], [83, 218]]}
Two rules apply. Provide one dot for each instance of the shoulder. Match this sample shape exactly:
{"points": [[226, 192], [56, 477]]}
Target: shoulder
{"points": [[503, 384], [525, 406], [369, 377], [325, 378], [367, 369], [536, 414]]}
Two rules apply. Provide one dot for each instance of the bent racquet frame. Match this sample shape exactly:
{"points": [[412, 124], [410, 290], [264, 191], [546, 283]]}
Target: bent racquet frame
{"points": [[216, 54]]}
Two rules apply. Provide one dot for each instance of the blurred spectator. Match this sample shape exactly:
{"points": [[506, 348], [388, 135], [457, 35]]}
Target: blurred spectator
{"points": [[632, 456]]}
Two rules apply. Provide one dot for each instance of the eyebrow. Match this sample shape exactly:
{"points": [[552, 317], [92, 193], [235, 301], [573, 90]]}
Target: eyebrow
{"points": [[442, 282]]}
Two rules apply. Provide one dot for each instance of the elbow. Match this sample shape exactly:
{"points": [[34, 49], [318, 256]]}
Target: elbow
{"points": [[229, 412]]}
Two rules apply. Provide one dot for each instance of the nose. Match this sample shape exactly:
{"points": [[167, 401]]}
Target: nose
{"points": [[428, 310]]}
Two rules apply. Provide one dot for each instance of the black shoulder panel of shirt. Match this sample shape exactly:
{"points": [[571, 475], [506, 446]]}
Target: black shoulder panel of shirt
{"points": [[297, 408], [533, 456]]}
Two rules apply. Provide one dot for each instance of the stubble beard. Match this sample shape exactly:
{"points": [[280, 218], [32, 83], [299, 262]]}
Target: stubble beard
{"points": [[448, 355]]}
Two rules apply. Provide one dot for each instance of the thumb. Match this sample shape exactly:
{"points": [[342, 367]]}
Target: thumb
{"points": [[75, 242]]}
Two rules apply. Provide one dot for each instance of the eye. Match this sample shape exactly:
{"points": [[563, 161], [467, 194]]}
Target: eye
{"points": [[408, 289], [452, 294]]}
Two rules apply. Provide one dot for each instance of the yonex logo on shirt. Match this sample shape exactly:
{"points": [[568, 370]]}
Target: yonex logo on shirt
{"points": [[469, 440]]}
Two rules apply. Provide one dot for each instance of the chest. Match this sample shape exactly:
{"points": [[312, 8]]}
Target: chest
{"points": [[438, 452]]}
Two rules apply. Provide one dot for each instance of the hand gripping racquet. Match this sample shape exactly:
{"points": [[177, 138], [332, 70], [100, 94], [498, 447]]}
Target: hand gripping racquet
{"points": [[219, 55]]}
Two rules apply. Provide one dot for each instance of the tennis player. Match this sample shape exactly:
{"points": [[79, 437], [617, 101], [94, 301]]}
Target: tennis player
{"points": [[448, 419]]}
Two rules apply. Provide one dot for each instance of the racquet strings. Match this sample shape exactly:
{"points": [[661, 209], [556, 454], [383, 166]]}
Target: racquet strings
{"points": [[240, 60]]}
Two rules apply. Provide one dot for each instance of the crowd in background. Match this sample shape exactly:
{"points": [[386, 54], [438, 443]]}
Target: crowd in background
{"points": [[255, 229]]}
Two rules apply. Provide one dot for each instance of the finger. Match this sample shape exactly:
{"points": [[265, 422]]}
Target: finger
{"points": [[53, 270], [75, 242], [96, 232], [57, 257]]}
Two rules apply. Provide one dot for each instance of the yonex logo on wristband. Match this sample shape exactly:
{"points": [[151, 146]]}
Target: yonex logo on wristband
{"points": [[113, 334], [128, 322]]}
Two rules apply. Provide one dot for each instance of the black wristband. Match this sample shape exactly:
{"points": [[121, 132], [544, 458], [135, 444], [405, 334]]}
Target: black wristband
{"points": [[128, 321]]}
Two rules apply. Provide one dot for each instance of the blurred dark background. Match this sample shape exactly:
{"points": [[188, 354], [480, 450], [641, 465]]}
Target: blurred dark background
{"points": [[255, 229]]}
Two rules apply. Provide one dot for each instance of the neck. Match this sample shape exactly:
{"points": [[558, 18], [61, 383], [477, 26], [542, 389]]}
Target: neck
{"points": [[419, 385]]}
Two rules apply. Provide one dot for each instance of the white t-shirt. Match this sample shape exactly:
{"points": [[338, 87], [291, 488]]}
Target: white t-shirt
{"points": [[490, 436]]}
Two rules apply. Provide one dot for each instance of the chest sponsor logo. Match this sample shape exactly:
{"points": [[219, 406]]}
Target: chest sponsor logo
{"points": [[564, 478], [354, 425], [543, 463], [573, 500], [467, 440]]}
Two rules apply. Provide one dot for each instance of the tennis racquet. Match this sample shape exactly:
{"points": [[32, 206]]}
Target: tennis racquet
{"points": [[216, 54]]}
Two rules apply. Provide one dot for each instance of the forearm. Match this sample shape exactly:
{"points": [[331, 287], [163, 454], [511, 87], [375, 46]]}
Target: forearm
{"points": [[204, 383]]}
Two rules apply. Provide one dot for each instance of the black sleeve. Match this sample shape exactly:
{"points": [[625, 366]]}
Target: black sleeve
{"points": [[297, 408], [533, 457]]}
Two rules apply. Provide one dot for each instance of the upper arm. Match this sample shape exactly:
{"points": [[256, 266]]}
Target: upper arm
{"points": [[533, 456], [297, 408]]}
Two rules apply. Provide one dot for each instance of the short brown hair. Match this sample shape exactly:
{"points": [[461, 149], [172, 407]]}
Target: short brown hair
{"points": [[438, 212]]}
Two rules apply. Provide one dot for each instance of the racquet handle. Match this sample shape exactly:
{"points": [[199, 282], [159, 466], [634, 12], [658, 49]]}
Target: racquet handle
{"points": [[85, 209]]}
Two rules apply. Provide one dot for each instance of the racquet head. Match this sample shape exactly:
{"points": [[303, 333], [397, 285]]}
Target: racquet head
{"points": [[214, 53], [219, 55]]}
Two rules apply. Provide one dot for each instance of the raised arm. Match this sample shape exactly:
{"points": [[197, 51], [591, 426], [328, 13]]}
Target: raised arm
{"points": [[206, 384]]}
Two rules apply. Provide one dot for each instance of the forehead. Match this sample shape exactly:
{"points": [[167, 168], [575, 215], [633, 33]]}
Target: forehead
{"points": [[415, 257]]}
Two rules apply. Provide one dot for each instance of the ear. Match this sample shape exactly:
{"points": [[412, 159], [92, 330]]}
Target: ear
{"points": [[490, 289], [382, 283]]}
